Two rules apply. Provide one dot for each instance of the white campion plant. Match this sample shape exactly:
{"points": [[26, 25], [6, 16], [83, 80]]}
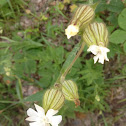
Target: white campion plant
{"points": [[39, 118]]}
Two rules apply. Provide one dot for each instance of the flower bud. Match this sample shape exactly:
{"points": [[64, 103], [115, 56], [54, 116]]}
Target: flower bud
{"points": [[83, 16], [96, 34], [70, 91], [53, 99], [96, 37]]}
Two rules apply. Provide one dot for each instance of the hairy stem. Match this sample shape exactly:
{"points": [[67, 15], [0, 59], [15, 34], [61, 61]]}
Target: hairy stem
{"points": [[70, 66]]}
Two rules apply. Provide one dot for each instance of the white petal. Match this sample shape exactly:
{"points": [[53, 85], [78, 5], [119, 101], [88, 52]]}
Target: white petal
{"points": [[55, 120], [105, 57], [40, 110], [104, 49], [100, 52], [31, 112], [101, 59], [47, 124], [37, 124], [71, 30], [94, 49], [95, 59], [32, 118], [33, 124], [51, 112], [68, 36]]}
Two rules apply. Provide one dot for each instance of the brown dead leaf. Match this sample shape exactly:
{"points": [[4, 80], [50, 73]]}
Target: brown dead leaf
{"points": [[80, 115], [8, 82], [1, 111]]}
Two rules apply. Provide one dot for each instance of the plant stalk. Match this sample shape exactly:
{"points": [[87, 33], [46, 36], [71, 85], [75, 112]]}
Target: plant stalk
{"points": [[74, 60]]}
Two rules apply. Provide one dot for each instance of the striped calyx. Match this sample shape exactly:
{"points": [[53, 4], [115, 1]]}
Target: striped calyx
{"points": [[96, 37], [96, 34], [70, 91], [82, 17], [53, 99]]}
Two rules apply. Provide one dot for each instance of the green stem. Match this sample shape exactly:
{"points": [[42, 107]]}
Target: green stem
{"points": [[74, 60], [66, 68]]}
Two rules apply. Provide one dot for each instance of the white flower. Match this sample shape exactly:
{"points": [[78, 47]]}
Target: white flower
{"points": [[38, 118], [7, 71], [71, 30], [100, 52], [97, 98]]}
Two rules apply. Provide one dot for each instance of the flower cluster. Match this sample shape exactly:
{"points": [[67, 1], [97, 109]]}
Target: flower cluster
{"points": [[95, 35]]}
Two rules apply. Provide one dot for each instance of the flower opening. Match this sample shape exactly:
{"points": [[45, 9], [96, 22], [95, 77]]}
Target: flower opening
{"points": [[71, 30], [100, 53]]}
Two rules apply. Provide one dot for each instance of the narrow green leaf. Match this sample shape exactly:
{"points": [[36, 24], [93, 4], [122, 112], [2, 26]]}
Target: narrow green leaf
{"points": [[6, 102], [60, 12], [19, 88], [10, 5]]}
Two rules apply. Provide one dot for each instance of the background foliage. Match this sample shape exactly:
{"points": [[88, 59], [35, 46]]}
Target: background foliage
{"points": [[33, 48]]}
